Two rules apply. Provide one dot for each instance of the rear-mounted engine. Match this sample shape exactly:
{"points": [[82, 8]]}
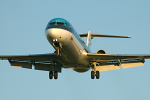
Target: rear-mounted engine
{"points": [[101, 51]]}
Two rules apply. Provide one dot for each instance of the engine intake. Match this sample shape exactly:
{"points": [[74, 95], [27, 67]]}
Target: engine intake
{"points": [[101, 51]]}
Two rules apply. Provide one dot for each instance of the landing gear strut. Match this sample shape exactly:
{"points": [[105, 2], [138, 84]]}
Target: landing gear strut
{"points": [[53, 74], [58, 51], [58, 47]]}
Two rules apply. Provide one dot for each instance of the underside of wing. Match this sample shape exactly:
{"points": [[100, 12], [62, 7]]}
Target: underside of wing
{"points": [[105, 62], [46, 62]]}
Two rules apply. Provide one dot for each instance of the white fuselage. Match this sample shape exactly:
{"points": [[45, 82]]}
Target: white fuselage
{"points": [[73, 54]]}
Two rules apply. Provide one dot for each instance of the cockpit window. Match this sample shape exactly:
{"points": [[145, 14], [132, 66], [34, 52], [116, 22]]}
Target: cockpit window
{"points": [[52, 23], [56, 23], [60, 23]]}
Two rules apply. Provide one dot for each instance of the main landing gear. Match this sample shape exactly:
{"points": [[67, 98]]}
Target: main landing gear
{"points": [[53, 74], [95, 73]]}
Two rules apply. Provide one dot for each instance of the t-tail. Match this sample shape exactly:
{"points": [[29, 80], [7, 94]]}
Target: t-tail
{"points": [[90, 36]]}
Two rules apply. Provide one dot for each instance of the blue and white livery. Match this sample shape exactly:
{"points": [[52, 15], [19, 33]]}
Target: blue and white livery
{"points": [[72, 52]]}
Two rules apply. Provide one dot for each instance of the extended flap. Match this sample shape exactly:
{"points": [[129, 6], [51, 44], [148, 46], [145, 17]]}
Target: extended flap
{"points": [[21, 64], [107, 68], [47, 67], [129, 65]]}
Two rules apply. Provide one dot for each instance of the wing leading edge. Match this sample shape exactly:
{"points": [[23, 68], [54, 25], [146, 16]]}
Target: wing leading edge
{"points": [[100, 57], [34, 57]]}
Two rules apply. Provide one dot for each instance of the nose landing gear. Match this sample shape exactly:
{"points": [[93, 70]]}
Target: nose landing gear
{"points": [[58, 47]]}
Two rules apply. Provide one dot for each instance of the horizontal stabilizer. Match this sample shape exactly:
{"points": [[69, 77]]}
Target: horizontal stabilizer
{"points": [[102, 35]]}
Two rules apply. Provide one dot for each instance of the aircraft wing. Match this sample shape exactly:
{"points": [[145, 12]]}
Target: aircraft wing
{"points": [[36, 57], [40, 61], [98, 57], [105, 62]]}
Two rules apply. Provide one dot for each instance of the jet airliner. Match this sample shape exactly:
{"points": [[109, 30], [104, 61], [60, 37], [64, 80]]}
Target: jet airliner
{"points": [[72, 52]]}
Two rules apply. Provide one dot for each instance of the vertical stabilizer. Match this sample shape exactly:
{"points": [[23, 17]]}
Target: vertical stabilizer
{"points": [[89, 37]]}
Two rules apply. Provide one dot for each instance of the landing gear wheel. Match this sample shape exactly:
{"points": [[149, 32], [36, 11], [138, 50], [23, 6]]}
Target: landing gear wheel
{"points": [[51, 75], [97, 74], [55, 74], [92, 74]]}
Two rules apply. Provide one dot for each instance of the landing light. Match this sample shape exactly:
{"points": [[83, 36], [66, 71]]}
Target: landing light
{"points": [[54, 39]]}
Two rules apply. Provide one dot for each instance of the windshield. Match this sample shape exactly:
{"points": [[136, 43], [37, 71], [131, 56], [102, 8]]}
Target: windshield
{"points": [[59, 23], [52, 23]]}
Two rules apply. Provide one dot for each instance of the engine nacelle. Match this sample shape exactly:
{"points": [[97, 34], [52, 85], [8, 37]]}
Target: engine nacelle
{"points": [[101, 51]]}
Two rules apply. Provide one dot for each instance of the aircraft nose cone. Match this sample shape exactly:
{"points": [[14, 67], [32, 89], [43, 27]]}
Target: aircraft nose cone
{"points": [[54, 33]]}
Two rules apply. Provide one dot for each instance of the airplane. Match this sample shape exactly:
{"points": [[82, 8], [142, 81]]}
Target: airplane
{"points": [[72, 52]]}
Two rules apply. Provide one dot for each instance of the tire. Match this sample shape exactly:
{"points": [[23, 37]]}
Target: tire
{"points": [[55, 75], [92, 75], [97, 75], [51, 75]]}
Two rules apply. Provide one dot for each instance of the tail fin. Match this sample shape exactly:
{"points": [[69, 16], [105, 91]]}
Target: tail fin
{"points": [[89, 38]]}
